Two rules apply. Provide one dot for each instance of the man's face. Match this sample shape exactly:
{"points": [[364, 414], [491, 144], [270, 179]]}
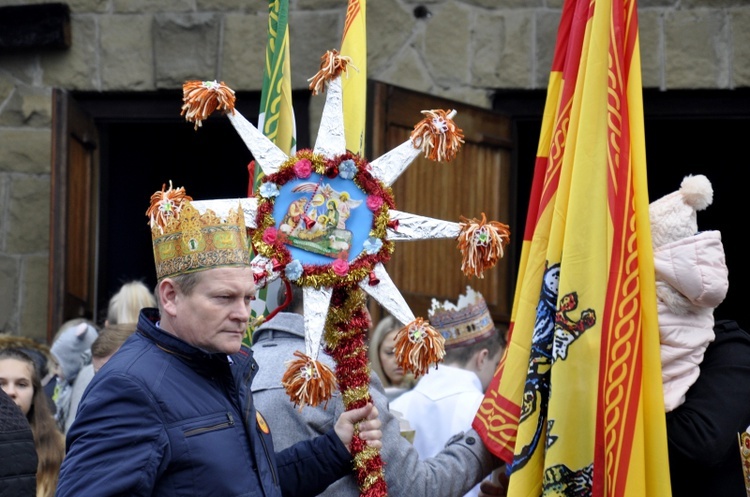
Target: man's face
{"points": [[215, 314]]}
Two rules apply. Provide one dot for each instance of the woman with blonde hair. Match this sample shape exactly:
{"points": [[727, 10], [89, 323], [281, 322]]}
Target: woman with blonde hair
{"points": [[383, 358], [19, 379], [126, 304]]}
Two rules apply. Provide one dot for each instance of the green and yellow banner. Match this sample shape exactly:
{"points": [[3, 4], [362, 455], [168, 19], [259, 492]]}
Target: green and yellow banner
{"points": [[276, 117]]}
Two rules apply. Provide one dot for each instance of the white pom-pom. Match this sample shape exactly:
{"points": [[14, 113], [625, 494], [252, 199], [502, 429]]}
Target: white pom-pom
{"points": [[697, 191]]}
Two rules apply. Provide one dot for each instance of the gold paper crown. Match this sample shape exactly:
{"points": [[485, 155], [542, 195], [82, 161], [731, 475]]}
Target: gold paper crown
{"points": [[463, 324], [186, 241]]}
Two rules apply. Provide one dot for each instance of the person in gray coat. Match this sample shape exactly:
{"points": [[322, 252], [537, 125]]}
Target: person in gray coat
{"points": [[463, 463]]}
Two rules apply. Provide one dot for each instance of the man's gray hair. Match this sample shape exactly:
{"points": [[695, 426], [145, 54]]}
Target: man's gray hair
{"points": [[185, 282]]}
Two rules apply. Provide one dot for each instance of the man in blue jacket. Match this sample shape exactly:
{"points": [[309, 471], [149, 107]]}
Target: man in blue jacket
{"points": [[171, 413]]}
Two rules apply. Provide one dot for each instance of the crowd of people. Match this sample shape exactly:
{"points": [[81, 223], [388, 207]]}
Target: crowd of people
{"points": [[47, 383], [406, 472], [164, 398]]}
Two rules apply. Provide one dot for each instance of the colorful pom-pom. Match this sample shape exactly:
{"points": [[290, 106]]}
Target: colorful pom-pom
{"points": [[482, 244], [166, 205], [201, 98], [419, 345], [437, 135], [332, 64], [308, 382]]}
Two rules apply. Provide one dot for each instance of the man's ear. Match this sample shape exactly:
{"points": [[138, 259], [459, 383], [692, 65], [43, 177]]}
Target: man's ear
{"points": [[479, 358], [168, 292]]}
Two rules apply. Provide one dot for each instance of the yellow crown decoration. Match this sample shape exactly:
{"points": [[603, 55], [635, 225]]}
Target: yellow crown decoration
{"points": [[186, 241]]}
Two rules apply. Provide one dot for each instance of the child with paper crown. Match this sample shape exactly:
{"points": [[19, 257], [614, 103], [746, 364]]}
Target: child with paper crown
{"points": [[445, 401], [691, 280]]}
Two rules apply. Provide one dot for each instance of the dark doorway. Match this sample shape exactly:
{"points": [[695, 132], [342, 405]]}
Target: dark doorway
{"points": [[687, 132], [144, 142], [209, 163]]}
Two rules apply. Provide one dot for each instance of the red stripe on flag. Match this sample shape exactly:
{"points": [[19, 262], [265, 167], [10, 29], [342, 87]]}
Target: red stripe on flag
{"points": [[352, 11], [621, 363]]}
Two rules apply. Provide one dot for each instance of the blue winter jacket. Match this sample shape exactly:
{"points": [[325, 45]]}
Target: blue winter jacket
{"points": [[163, 418]]}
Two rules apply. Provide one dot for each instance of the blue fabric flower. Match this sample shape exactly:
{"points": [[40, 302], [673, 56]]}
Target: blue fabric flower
{"points": [[269, 190], [347, 169], [293, 270], [373, 245]]}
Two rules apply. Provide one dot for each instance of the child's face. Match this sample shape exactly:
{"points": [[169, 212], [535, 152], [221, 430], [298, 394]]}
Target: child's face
{"points": [[388, 359], [16, 381]]}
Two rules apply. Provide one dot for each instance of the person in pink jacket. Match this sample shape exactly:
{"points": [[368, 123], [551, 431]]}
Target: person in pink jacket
{"points": [[691, 281]]}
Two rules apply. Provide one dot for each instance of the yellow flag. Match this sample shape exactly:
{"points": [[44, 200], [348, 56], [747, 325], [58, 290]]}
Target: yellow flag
{"points": [[576, 406], [354, 83]]}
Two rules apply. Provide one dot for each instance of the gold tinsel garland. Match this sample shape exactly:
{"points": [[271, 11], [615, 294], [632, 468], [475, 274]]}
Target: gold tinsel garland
{"points": [[346, 333]]}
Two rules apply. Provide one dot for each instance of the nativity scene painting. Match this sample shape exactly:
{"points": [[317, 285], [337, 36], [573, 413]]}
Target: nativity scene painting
{"points": [[314, 218]]}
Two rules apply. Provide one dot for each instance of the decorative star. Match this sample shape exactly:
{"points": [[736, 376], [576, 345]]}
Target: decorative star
{"points": [[325, 219]]}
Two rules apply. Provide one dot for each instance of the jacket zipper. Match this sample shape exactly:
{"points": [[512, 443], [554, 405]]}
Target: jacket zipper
{"points": [[270, 462], [255, 422], [218, 426]]}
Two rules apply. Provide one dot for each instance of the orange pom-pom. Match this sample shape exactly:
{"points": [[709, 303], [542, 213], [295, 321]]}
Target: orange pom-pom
{"points": [[331, 66], [419, 345], [308, 382], [482, 244], [437, 135], [201, 98], [166, 205]]}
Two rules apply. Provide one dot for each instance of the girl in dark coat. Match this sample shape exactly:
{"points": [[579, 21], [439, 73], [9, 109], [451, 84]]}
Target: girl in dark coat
{"points": [[20, 380]]}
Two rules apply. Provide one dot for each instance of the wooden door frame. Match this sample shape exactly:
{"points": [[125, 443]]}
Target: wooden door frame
{"points": [[394, 107], [74, 145]]}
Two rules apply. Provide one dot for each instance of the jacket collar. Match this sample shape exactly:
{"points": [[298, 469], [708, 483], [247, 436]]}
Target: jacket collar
{"points": [[286, 322], [198, 358]]}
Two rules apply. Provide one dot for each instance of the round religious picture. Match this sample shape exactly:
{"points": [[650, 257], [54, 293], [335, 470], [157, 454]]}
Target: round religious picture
{"points": [[318, 214]]}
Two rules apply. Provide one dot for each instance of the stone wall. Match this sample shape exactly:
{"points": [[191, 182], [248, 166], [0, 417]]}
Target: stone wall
{"points": [[459, 49]]}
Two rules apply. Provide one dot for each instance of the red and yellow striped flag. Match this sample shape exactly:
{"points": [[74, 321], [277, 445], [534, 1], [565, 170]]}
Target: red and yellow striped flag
{"points": [[354, 83], [576, 405]]}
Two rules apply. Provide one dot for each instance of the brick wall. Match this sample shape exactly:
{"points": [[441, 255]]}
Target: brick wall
{"points": [[463, 50]]}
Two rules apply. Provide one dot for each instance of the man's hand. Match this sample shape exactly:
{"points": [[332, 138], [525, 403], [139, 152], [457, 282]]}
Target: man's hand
{"points": [[497, 486], [365, 421]]}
